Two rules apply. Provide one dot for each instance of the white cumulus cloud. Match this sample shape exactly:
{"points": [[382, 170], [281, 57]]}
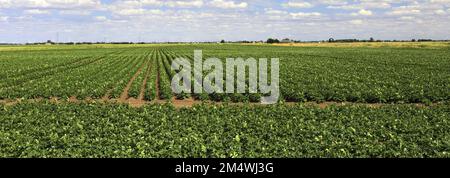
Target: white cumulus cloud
{"points": [[3, 18], [440, 12], [274, 11], [301, 15], [405, 10], [36, 12], [185, 4], [356, 22], [364, 12], [100, 18], [60, 4], [298, 4], [225, 4], [75, 12]]}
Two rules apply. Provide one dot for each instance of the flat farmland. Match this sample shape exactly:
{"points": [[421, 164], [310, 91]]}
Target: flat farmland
{"points": [[317, 74], [117, 101]]}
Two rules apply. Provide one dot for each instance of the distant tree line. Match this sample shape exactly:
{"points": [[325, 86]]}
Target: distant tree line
{"points": [[270, 41], [332, 40]]}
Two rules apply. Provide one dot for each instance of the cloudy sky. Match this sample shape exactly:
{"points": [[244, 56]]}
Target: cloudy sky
{"points": [[212, 20]]}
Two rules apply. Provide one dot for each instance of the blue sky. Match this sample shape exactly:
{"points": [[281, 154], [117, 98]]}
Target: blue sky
{"points": [[213, 20]]}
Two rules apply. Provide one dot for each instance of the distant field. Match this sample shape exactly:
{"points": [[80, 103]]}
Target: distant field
{"points": [[73, 101], [71, 47], [436, 45]]}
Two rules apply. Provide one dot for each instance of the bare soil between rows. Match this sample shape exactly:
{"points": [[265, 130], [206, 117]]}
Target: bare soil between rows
{"points": [[124, 96]]}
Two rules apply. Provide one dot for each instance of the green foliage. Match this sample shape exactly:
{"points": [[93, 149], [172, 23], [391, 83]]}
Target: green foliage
{"points": [[368, 75], [271, 40], [135, 88], [150, 92], [71, 130], [164, 76]]}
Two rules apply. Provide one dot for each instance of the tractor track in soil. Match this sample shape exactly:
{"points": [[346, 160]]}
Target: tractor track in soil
{"points": [[107, 95], [140, 100], [124, 96]]}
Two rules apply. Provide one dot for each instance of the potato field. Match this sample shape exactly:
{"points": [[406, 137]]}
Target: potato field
{"points": [[117, 101]]}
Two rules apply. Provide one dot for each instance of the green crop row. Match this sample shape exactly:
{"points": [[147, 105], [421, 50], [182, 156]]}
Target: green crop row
{"points": [[151, 91], [138, 81], [17, 64], [130, 71], [164, 76], [364, 75], [368, 75]]}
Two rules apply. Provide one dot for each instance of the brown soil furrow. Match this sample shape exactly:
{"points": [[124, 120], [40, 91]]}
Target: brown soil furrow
{"points": [[108, 93], [124, 95], [139, 102], [136, 103], [188, 102], [73, 99]]}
